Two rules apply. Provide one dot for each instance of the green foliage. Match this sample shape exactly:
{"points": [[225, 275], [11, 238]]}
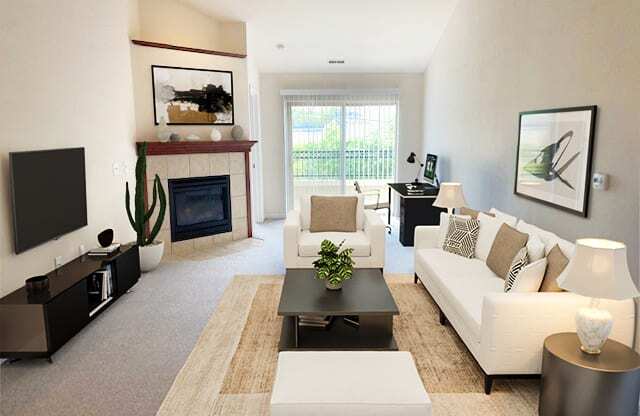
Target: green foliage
{"points": [[334, 265], [369, 143], [140, 218]]}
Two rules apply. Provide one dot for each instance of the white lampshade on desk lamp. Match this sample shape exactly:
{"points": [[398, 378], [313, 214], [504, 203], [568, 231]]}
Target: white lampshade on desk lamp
{"points": [[450, 196], [598, 270]]}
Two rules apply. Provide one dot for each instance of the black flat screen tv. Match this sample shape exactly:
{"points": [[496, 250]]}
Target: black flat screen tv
{"points": [[49, 195]]}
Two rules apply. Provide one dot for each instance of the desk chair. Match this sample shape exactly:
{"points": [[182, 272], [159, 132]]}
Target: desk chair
{"points": [[378, 205]]}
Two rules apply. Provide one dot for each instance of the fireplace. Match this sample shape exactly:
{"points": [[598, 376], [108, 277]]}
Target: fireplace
{"points": [[199, 207]]}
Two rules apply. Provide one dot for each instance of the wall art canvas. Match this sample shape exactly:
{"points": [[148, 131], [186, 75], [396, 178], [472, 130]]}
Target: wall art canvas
{"points": [[554, 157], [192, 96]]}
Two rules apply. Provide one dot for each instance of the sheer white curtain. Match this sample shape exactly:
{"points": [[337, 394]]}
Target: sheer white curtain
{"points": [[336, 137]]}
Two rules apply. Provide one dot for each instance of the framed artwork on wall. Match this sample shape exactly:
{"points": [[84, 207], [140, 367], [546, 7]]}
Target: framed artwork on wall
{"points": [[553, 163], [192, 96]]}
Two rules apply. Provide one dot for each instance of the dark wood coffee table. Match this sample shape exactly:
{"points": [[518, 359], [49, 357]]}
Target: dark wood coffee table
{"points": [[365, 298]]}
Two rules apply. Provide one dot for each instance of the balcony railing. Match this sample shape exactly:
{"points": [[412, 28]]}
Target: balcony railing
{"points": [[359, 164]]}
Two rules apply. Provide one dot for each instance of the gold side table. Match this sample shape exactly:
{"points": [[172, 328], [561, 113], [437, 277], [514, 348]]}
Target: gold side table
{"points": [[580, 384]]}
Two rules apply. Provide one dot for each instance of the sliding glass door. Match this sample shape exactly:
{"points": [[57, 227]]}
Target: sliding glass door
{"points": [[335, 141], [316, 145]]}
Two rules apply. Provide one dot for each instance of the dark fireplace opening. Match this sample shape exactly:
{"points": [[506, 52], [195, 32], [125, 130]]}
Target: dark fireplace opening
{"points": [[199, 207]]}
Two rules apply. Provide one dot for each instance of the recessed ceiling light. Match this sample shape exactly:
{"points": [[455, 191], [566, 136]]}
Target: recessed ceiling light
{"points": [[280, 46]]}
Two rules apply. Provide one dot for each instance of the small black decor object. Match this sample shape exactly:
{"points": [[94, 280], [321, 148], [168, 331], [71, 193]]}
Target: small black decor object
{"points": [[105, 238], [37, 284]]}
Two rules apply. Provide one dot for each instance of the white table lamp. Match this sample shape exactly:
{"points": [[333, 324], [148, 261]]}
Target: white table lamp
{"points": [[450, 196], [598, 270]]}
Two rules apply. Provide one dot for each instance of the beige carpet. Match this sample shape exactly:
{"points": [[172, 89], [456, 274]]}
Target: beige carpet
{"points": [[231, 369]]}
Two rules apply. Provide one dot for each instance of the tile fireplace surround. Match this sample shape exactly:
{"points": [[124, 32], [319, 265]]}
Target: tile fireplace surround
{"points": [[195, 159]]}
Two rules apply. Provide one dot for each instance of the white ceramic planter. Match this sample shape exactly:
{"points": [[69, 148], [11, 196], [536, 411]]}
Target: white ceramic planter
{"points": [[151, 255]]}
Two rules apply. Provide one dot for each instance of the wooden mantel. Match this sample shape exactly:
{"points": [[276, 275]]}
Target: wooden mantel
{"points": [[187, 147], [193, 147]]}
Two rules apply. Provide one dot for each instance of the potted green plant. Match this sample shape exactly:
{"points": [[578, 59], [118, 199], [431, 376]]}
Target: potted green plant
{"points": [[334, 266], [150, 249]]}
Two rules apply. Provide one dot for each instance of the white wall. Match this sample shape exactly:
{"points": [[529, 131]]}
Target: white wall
{"points": [[253, 77], [173, 22], [177, 23], [411, 100], [64, 88], [142, 59], [496, 59]]}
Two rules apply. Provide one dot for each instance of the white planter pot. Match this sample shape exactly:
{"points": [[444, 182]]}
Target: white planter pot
{"points": [[151, 255]]}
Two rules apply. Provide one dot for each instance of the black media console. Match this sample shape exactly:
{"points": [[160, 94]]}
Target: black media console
{"points": [[37, 326]]}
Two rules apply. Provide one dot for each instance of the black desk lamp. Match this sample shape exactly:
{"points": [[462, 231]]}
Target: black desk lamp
{"points": [[413, 159]]}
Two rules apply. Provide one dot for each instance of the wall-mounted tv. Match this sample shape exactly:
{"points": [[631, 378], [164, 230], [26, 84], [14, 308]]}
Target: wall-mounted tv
{"points": [[49, 195]]}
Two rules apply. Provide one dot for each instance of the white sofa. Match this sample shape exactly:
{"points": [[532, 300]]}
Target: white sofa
{"points": [[503, 331], [301, 247]]}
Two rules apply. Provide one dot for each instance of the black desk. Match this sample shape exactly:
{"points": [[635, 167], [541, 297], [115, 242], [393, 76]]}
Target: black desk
{"points": [[416, 208]]}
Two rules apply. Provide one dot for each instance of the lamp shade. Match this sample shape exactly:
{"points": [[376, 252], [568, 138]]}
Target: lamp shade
{"points": [[599, 270], [450, 196]]}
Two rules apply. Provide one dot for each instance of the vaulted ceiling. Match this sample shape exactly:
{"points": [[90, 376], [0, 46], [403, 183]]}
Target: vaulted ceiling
{"points": [[370, 35]]}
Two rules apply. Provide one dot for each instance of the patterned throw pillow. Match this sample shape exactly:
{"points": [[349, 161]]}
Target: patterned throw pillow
{"points": [[462, 236], [519, 262]]}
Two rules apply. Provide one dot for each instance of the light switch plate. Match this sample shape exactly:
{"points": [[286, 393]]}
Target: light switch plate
{"points": [[600, 181], [57, 261]]}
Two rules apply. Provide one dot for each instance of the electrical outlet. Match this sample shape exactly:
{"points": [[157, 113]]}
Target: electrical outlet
{"points": [[117, 169], [81, 249], [57, 261]]}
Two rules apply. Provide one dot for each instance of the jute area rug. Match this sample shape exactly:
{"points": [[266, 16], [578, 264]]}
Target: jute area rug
{"points": [[232, 366]]}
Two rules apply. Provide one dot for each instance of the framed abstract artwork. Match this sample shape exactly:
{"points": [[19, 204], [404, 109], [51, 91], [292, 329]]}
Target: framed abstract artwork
{"points": [[553, 164], [192, 95]]}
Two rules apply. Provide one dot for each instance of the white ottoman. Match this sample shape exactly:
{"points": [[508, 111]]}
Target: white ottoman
{"points": [[350, 383]]}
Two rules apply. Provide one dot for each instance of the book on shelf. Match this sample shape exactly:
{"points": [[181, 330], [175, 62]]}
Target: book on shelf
{"points": [[100, 289], [104, 251], [317, 321], [352, 320]]}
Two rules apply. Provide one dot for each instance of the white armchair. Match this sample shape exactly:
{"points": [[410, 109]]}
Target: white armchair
{"points": [[301, 246]]}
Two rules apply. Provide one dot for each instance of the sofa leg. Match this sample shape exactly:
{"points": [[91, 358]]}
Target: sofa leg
{"points": [[415, 278], [443, 317], [488, 383]]}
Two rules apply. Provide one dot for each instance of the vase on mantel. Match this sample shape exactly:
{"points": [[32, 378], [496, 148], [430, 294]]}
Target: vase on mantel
{"points": [[163, 130], [215, 135]]}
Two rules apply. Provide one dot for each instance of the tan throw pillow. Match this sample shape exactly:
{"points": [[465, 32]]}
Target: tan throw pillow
{"points": [[506, 245], [472, 213], [333, 213], [556, 263]]}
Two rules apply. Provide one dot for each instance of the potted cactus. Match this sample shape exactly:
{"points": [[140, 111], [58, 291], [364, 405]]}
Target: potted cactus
{"points": [[150, 249]]}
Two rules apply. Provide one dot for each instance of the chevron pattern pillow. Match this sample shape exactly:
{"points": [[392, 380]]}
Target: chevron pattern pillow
{"points": [[519, 262], [462, 236]]}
